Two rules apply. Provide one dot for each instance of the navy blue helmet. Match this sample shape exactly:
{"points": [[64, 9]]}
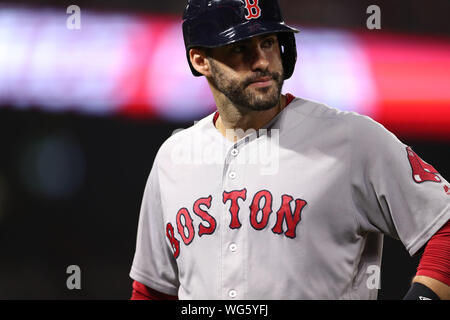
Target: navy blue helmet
{"points": [[216, 23]]}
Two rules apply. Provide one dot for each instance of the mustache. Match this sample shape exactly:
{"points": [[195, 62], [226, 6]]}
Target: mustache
{"points": [[272, 75]]}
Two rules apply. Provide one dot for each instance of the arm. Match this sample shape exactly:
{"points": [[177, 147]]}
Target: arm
{"points": [[438, 287], [153, 258], [142, 292], [434, 267]]}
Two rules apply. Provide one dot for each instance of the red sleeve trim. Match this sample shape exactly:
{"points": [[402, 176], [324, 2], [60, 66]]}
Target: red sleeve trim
{"points": [[435, 261], [142, 292]]}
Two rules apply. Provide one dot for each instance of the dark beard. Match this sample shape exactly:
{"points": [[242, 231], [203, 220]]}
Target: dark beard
{"points": [[236, 91]]}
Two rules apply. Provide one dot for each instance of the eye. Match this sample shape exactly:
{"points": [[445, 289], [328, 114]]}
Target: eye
{"points": [[238, 49], [269, 42]]}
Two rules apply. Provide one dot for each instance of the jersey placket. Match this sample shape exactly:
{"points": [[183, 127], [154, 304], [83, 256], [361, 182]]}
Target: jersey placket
{"points": [[233, 231]]}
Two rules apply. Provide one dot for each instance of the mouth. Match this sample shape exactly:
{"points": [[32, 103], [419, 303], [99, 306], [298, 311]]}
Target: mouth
{"points": [[261, 82]]}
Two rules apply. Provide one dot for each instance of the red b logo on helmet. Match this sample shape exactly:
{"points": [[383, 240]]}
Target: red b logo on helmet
{"points": [[254, 11]]}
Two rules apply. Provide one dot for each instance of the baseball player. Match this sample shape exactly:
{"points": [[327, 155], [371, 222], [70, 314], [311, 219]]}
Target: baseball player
{"points": [[274, 196]]}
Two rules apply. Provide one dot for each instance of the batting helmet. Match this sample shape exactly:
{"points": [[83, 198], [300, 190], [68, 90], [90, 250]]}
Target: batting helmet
{"points": [[216, 23]]}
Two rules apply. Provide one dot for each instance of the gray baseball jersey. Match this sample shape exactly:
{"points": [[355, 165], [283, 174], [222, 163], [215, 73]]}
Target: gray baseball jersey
{"points": [[296, 210]]}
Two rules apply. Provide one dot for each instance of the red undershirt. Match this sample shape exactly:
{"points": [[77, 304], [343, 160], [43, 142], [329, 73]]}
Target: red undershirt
{"points": [[435, 261]]}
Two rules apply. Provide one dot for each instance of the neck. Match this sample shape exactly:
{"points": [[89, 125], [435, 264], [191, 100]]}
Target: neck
{"points": [[234, 122]]}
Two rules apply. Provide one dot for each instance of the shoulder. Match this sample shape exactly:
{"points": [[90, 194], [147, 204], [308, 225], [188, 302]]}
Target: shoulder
{"points": [[361, 126], [314, 109], [365, 137], [318, 110], [183, 140]]}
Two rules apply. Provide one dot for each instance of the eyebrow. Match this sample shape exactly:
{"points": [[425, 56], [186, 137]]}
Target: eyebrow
{"points": [[268, 35], [263, 37]]}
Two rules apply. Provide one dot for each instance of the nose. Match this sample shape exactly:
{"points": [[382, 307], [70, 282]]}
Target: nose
{"points": [[259, 59]]}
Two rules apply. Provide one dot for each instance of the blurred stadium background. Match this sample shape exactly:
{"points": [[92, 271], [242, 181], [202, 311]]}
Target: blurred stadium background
{"points": [[83, 113]]}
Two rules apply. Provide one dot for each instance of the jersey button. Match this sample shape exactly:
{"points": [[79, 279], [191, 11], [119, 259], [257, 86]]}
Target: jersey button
{"points": [[234, 152], [233, 247], [232, 175], [232, 293]]}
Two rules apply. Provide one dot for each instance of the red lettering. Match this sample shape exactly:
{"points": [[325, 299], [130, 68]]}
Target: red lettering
{"points": [[285, 214], [183, 212], [447, 190], [173, 241], [205, 216], [266, 210], [233, 196]]}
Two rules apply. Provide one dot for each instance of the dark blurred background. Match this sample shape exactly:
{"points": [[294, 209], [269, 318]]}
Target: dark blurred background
{"points": [[71, 182], [412, 16]]}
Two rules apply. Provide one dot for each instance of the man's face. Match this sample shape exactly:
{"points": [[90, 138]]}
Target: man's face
{"points": [[249, 73]]}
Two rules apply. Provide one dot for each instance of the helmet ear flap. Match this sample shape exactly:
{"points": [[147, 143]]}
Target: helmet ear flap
{"points": [[288, 51]]}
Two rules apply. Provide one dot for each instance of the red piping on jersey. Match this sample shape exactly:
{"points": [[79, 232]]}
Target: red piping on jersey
{"points": [[289, 99], [216, 116], [435, 261]]}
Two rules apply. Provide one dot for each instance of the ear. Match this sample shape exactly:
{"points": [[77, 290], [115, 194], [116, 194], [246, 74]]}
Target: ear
{"points": [[199, 61]]}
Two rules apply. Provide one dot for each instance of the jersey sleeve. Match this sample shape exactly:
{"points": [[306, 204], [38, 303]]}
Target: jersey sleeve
{"points": [[154, 264], [395, 192]]}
